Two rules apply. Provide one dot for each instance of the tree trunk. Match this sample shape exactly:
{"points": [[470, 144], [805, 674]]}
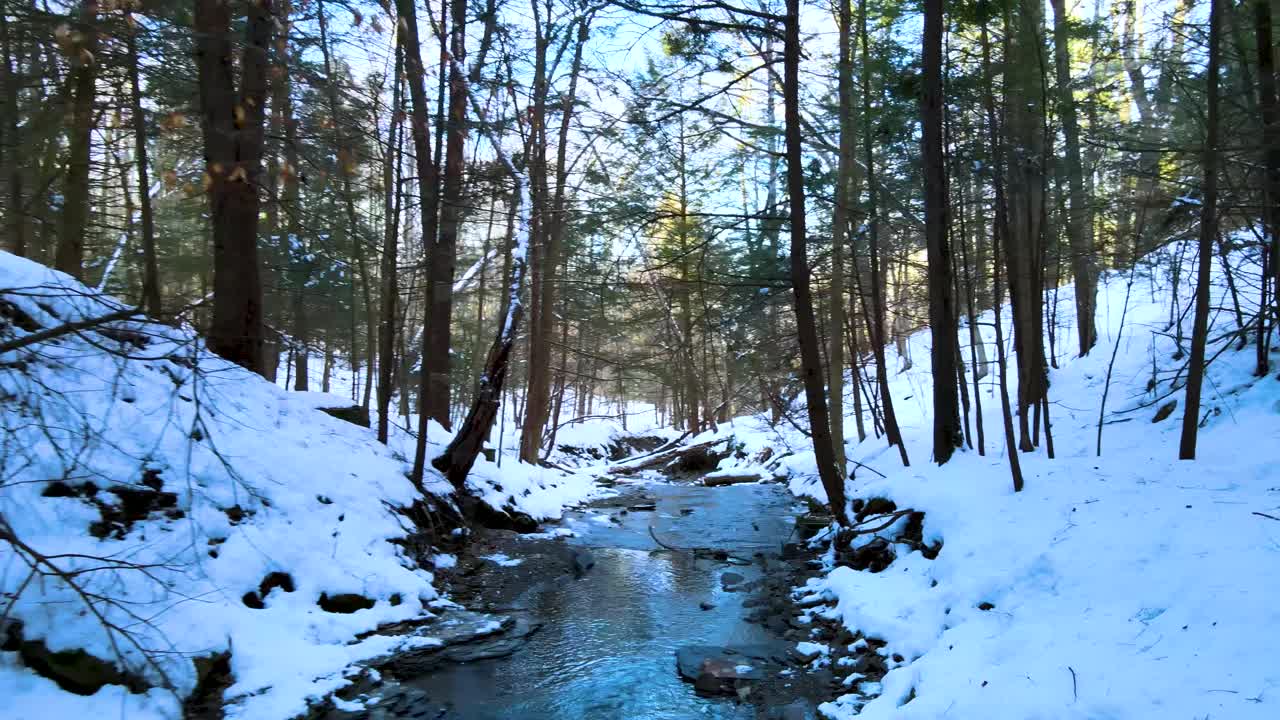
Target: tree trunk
{"points": [[389, 311], [876, 323], [1271, 160], [1024, 189], [844, 198], [1079, 235], [802, 294], [942, 311], [233, 137], [428, 198], [11, 146], [538, 383], [69, 257], [1208, 234], [150, 269]]}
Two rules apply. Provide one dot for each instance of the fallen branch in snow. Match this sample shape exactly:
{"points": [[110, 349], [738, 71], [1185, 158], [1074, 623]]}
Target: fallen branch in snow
{"points": [[67, 329], [1269, 517]]}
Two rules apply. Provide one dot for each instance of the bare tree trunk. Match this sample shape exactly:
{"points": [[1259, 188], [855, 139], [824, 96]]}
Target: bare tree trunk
{"points": [[1208, 234], [69, 257], [806, 325], [233, 140]]}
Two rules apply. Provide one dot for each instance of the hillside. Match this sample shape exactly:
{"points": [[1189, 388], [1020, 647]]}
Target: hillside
{"points": [[165, 509]]}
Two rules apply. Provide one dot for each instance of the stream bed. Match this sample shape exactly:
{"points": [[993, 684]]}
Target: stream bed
{"points": [[613, 607]]}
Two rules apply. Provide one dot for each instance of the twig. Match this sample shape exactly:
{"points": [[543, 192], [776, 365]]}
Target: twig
{"points": [[77, 326], [1269, 517], [1075, 696]]}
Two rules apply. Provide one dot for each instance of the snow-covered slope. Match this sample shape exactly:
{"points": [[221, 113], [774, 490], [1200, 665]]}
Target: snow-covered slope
{"points": [[176, 507], [1125, 585]]}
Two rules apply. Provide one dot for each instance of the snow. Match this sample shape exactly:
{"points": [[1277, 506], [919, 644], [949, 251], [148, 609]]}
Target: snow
{"points": [[1126, 585], [261, 483]]}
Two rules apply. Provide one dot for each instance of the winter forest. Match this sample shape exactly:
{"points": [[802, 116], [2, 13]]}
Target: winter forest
{"points": [[639, 359]]}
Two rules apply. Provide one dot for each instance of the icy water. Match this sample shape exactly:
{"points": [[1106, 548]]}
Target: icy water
{"points": [[607, 646]]}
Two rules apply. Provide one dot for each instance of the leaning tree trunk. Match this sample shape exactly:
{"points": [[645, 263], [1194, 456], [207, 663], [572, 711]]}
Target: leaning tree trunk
{"points": [[802, 293], [233, 137], [458, 458], [1208, 234]]}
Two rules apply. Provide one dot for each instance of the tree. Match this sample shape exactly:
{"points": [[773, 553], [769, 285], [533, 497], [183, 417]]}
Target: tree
{"points": [[1079, 234], [947, 435], [232, 123], [82, 45], [1208, 235], [802, 293]]}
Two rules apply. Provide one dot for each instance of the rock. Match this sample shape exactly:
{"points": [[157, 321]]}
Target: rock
{"points": [[706, 605], [75, 671], [874, 556], [1165, 410], [581, 563], [344, 603], [735, 479], [642, 507], [729, 579], [354, 414], [875, 506], [724, 670]]}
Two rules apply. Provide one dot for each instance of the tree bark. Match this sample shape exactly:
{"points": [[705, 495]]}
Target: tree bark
{"points": [[1208, 234], [233, 139]]}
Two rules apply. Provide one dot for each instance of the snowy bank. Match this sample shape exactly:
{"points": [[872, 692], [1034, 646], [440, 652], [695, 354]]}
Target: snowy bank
{"points": [[165, 508]]}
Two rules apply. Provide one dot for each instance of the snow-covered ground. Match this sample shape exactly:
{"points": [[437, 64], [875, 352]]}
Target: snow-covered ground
{"points": [[175, 507], [1122, 585]]}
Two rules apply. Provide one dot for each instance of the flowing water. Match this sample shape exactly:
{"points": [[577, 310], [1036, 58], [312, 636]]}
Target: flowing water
{"points": [[607, 646]]}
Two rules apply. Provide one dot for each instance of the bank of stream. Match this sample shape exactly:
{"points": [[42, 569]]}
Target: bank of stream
{"points": [[599, 615]]}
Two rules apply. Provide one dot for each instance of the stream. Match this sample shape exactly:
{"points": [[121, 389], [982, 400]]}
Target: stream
{"points": [[608, 639]]}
